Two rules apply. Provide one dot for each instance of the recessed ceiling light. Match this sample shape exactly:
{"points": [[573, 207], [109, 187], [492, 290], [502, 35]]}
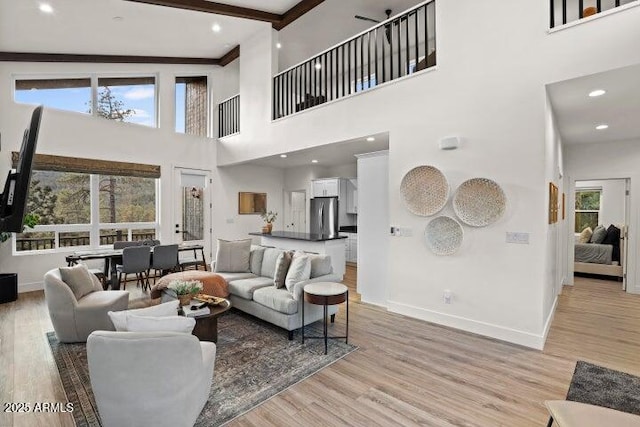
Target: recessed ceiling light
{"points": [[216, 28], [46, 8], [279, 45], [284, 156], [371, 139], [318, 66], [602, 127], [597, 92], [314, 161]]}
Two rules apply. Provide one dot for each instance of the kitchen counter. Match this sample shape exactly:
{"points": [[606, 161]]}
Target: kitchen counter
{"points": [[308, 237], [349, 229], [333, 245]]}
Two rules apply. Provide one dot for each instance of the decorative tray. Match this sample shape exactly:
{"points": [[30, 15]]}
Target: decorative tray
{"points": [[209, 299]]}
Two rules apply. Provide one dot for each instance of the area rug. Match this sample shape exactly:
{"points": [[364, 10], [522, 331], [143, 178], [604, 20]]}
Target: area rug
{"points": [[254, 362], [601, 386]]}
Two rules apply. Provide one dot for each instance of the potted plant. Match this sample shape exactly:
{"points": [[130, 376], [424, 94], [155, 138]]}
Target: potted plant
{"points": [[11, 279], [185, 290], [269, 218]]}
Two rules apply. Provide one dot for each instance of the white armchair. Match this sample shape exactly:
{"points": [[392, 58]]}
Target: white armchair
{"points": [[149, 378], [73, 320]]}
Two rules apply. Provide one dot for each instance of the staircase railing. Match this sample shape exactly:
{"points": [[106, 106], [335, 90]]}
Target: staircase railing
{"points": [[563, 11], [400, 46], [229, 116]]}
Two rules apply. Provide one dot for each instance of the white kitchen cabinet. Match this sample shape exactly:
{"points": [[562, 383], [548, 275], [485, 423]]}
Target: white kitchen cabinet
{"points": [[352, 196], [326, 187]]}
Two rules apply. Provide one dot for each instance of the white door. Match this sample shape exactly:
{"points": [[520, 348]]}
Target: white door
{"points": [[192, 208], [295, 211]]}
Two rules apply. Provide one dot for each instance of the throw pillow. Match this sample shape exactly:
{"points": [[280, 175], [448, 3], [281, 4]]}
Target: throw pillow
{"points": [[613, 236], [78, 279], [160, 324], [233, 256], [599, 233], [255, 259], [119, 318], [320, 265], [282, 267], [299, 270], [585, 236], [269, 259]]}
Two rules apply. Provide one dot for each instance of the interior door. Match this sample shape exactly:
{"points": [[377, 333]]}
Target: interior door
{"points": [[299, 211], [192, 208]]}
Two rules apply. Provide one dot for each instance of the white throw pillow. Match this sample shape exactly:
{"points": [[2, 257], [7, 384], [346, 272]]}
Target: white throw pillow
{"points": [[119, 318], [233, 256], [299, 270], [160, 324], [585, 236], [78, 279]]}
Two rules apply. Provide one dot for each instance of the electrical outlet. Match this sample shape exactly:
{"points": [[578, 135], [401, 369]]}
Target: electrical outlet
{"points": [[447, 296]]}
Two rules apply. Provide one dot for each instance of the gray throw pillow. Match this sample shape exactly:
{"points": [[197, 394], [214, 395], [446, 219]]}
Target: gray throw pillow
{"points": [[320, 265], [233, 256], [599, 233], [255, 262], [269, 262], [282, 268], [299, 270], [78, 279]]}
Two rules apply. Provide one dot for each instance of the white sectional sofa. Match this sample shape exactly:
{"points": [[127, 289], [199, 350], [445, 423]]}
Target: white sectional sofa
{"points": [[254, 291]]}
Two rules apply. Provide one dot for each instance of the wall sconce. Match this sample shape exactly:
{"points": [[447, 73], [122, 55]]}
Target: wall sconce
{"points": [[449, 143], [195, 193]]}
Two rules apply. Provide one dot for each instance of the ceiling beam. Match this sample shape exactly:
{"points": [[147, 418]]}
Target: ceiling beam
{"points": [[217, 8], [296, 12], [110, 59], [229, 57]]}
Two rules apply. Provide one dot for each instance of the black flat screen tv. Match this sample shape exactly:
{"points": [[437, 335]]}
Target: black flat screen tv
{"points": [[13, 200]]}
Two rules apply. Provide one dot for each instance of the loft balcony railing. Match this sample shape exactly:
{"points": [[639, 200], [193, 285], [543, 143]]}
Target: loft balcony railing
{"points": [[229, 116], [564, 11], [400, 46]]}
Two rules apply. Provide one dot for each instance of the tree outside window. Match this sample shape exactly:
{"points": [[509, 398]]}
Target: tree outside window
{"points": [[587, 208]]}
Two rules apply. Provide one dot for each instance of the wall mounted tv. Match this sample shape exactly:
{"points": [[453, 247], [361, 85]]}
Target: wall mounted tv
{"points": [[13, 200]]}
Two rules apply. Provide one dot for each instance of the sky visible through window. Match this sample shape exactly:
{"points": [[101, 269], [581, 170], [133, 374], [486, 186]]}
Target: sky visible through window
{"points": [[139, 98], [181, 94]]}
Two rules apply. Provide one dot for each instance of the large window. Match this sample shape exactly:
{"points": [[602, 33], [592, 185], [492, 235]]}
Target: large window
{"points": [[125, 99], [88, 210], [191, 105], [587, 208]]}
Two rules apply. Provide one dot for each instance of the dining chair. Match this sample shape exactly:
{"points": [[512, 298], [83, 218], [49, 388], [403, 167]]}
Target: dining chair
{"points": [[135, 260], [165, 258], [121, 244]]}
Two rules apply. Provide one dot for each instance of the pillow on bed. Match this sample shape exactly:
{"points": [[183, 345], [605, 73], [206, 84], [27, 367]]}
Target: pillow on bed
{"points": [[612, 237], [599, 233], [585, 236]]}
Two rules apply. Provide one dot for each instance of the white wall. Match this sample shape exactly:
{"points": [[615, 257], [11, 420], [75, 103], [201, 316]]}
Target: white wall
{"points": [[492, 93], [374, 281], [612, 199], [349, 170], [614, 160]]}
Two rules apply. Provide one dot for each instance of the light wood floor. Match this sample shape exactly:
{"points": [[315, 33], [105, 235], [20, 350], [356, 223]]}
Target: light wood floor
{"points": [[405, 372]]}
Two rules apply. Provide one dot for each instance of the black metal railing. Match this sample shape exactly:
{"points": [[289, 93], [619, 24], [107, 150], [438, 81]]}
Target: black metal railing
{"points": [[229, 116], [397, 47], [41, 243], [563, 11]]}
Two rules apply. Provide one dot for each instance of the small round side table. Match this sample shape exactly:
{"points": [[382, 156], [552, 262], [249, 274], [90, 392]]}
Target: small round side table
{"points": [[326, 294]]}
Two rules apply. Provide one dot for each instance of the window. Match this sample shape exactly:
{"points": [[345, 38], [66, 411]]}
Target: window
{"points": [[127, 99], [63, 94], [191, 105], [587, 208], [125, 206]]}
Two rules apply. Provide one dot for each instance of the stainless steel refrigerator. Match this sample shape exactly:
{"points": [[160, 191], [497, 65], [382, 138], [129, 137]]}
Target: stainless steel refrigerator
{"points": [[324, 215]]}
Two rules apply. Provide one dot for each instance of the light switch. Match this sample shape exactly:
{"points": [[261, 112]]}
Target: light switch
{"points": [[518, 238]]}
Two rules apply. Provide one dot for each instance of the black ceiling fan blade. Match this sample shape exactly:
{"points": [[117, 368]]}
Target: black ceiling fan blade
{"points": [[364, 18]]}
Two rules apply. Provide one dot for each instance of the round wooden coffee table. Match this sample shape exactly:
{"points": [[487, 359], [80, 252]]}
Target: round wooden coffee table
{"points": [[206, 328], [326, 294]]}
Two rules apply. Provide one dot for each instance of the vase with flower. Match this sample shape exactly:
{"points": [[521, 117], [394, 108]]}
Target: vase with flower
{"points": [[185, 290], [269, 218]]}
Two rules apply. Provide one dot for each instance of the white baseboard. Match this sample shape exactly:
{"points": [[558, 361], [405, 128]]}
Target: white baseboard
{"points": [[502, 333], [547, 324], [30, 287], [376, 304]]}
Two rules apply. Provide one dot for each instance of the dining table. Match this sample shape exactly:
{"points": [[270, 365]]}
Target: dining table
{"points": [[113, 257]]}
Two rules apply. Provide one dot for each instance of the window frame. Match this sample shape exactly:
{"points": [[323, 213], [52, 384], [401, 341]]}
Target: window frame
{"points": [[210, 103], [578, 211]]}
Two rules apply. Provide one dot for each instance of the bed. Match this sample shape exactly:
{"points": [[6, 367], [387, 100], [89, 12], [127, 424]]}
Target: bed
{"points": [[604, 259]]}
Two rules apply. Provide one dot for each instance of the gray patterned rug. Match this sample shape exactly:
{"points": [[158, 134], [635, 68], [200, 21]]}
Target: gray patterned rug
{"points": [[254, 362], [601, 386]]}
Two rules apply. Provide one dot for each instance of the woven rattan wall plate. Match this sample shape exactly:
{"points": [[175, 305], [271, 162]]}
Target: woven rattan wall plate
{"points": [[425, 190], [444, 235], [479, 202]]}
